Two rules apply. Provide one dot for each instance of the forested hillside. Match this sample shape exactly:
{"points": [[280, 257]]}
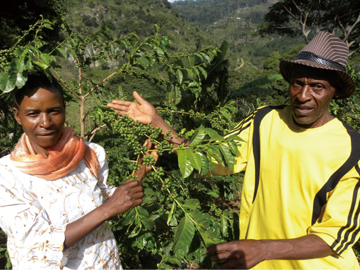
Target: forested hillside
{"points": [[204, 12], [121, 17]]}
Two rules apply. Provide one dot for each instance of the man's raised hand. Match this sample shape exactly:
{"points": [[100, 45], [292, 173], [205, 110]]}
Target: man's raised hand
{"points": [[142, 111]]}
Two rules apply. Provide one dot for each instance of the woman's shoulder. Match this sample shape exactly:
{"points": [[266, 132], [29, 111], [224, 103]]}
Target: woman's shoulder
{"points": [[98, 149], [8, 172], [5, 161]]}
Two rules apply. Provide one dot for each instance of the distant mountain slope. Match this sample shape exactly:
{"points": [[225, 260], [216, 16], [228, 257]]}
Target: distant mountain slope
{"points": [[208, 11], [137, 16]]}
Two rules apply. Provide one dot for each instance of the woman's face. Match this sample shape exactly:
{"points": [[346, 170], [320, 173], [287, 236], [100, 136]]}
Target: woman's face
{"points": [[42, 115]]}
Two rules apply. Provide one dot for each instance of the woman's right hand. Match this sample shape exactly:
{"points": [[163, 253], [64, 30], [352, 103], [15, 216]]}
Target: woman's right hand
{"points": [[142, 111], [125, 197]]}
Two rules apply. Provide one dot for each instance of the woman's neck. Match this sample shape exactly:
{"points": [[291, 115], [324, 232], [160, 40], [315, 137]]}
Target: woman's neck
{"points": [[39, 150]]}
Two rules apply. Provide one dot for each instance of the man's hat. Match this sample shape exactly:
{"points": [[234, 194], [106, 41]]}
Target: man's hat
{"points": [[324, 51]]}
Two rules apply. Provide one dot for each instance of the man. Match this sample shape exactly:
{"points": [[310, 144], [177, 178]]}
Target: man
{"points": [[300, 200]]}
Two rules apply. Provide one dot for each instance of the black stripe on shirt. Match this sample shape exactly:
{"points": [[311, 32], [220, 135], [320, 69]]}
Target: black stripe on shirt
{"points": [[321, 197], [240, 127], [256, 142], [352, 223]]}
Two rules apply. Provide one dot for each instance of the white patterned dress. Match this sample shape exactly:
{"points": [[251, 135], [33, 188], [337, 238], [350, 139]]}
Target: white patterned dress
{"points": [[34, 213]]}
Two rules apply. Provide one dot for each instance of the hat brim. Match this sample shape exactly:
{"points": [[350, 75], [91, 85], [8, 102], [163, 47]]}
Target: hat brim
{"points": [[348, 86]]}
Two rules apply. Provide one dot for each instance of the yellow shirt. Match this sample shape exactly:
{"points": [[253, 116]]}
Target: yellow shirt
{"points": [[298, 182]]}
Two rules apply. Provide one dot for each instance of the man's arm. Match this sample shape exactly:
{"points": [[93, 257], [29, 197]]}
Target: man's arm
{"points": [[144, 112], [245, 254]]}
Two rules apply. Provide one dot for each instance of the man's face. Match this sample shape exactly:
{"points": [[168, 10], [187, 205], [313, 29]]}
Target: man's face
{"points": [[311, 91], [42, 115]]}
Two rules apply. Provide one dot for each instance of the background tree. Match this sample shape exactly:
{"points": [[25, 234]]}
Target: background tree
{"points": [[307, 17], [17, 15]]}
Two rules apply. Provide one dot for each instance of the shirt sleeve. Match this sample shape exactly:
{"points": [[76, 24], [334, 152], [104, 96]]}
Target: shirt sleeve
{"points": [[105, 188], [33, 242], [244, 131], [338, 224]]}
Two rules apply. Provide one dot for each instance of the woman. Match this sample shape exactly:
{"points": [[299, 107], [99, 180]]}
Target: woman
{"points": [[54, 196]]}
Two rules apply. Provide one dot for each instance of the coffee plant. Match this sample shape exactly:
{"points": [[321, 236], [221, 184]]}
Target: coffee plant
{"points": [[181, 214]]}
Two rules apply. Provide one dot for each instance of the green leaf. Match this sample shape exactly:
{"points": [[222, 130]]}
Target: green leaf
{"points": [[179, 76], [164, 266], [63, 52], [205, 56], [229, 159], [20, 80], [173, 261], [224, 226], [147, 222], [235, 138], [214, 151], [171, 213], [214, 194], [184, 163], [195, 160], [3, 80], [142, 211], [233, 147], [190, 72], [191, 204], [129, 217], [101, 114], [180, 254], [28, 62], [225, 113], [184, 235], [46, 58], [197, 137], [204, 163], [211, 163], [42, 65], [16, 66], [136, 230], [144, 62], [10, 83], [203, 72], [18, 52], [174, 96], [173, 221], [160, 53]]}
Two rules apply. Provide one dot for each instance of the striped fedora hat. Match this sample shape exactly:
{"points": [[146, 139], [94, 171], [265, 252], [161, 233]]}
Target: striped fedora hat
{"points": [[324, 51]]}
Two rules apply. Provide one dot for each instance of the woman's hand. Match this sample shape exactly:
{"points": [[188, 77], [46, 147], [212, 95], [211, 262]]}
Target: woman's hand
{"points": [[125, 197], [143, 171], [142, 111]]}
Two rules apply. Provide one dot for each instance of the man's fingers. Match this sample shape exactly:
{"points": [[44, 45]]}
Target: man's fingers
{"points": [[217, 248], [138, 98], [220, 256], [118, 108], [231, 264]]}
